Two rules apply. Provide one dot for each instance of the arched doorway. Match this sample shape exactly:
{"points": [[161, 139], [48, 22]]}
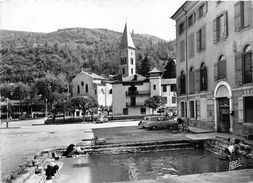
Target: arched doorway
{"points": [[223, 107]]}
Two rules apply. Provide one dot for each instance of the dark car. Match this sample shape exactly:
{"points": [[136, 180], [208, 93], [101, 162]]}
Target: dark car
{"points": [[156, 122]]}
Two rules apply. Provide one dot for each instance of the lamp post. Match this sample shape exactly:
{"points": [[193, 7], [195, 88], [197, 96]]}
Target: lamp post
{"points": [[7, 120], [46, 109]]}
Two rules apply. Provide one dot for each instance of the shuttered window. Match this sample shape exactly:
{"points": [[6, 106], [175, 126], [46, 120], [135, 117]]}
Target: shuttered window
{"points": [[197, 80], [243, 14], [202, 10], [220, 68], [192, 81], [191, 45], [238, 69], [201, 39], [182, 83], [192, 109], [203, 78], [182, 51], [220, 28], [247, 65]]}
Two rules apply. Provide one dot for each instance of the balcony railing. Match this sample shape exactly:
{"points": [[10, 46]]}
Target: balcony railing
{"points": [[134, 93], [137, 104]]}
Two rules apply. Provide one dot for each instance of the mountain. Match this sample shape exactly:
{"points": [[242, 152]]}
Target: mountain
{"points": [[30, 54]]}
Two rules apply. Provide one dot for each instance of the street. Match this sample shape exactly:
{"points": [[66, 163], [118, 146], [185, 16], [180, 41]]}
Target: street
{"points": [[22, 139]]}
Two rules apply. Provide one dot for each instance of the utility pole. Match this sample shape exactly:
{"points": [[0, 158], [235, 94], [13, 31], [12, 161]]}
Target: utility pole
{"points": [[46, 109]]}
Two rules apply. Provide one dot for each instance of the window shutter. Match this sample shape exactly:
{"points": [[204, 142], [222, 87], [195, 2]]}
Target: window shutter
{"points": [[194, 17], [178, 85], [225, 15], [203, 38], [192, 82], [238, 69], [237, 12], [247, 13], [240, 109], [197, 35], [197, 80], [214, 31], [215, 67], [205, 78]]}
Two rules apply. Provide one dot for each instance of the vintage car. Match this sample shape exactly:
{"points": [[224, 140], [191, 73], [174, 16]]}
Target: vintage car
{"points": [[102, 119], [156, 122]]}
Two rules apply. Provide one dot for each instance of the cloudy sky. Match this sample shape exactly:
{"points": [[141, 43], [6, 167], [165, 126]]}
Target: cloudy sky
{"points": [[144, 16]]}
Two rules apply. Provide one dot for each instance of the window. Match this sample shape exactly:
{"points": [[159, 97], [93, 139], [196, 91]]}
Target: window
{"points": [[173, 87], [181, 83], [78, 89], [174, 100], [247, 65], [123, 71], [95, 92], [125, 111], [203, 77], [82, 83], [132, 61], [183, 109], [133, 101], [248, 112], [123, 60], [191, 109], [87, 88], [110, 92], [164, 88], [191, 45], [192, 81], [164, 100], [243, 14], [154, 87], [201, 39], [143, 110], [191, 20], [181, 28], [202, 10], [220, 28], [220, 69], [182, 51], [132, 70]]}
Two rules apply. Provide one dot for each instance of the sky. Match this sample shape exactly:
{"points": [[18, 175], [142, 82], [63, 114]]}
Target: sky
{"points": [[143, 16]]}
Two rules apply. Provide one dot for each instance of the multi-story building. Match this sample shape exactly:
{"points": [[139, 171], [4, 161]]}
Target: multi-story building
{"points": [[130, 92], [88, 84], [214, 64]]}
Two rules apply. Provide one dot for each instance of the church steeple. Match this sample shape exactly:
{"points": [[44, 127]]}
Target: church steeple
{"points": [[126, 41], [127, 54]]}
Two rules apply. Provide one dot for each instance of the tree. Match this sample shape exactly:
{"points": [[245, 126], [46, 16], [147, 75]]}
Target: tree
{"points": [[85, 104], [145, 66], [72, 105], [170, 70], [153, 102]]}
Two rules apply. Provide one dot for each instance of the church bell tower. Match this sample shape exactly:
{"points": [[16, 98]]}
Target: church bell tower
{"points": [[127, 55]]}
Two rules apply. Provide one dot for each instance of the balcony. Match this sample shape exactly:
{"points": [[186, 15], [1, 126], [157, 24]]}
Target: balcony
{"points": [[137, 104], [135, 93]]}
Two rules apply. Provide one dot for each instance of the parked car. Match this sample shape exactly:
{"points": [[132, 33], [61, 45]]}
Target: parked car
{"points": [[156, 122], [102, 119]]}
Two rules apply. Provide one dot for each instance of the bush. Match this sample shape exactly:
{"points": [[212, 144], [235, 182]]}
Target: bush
{"points": [[62, 121]]}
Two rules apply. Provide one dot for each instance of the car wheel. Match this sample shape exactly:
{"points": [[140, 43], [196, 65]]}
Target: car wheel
{"points": [[154, 128]]}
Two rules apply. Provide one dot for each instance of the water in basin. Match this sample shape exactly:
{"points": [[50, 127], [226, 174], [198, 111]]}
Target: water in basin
{"points": [[139, 166]]}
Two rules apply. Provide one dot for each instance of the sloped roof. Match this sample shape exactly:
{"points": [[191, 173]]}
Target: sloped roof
{"points": [[135, 77], [93, 75], [126, 40], [154, 70]]}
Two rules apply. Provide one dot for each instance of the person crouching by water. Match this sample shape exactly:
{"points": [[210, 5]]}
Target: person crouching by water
{"points": [[51, 170], [72, 150], [233, 156]]}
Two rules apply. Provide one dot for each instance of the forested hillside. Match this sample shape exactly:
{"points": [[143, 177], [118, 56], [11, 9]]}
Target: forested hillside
{"points": [[27, 55]]}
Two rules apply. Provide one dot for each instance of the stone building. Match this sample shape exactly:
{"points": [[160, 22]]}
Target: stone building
{"points": [[214, 65], [130, 92], [88, 84]]}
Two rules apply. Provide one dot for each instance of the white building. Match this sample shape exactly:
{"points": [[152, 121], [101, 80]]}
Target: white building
{"points": [[130, 93], [88, 84]]}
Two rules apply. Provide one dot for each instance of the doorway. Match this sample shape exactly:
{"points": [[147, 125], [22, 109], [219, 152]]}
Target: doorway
{"points": [[223, 115]]}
